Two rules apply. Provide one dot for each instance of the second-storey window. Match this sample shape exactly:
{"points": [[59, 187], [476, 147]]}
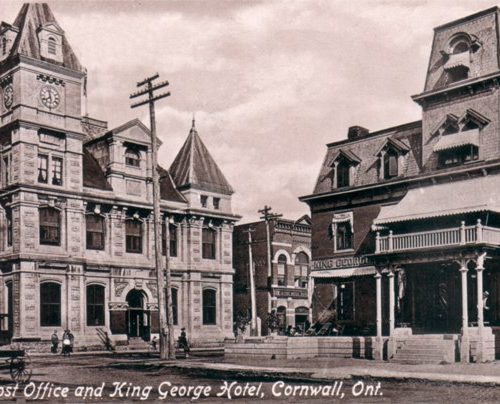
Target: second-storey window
{"points": [[57, 171], [216, 203], [50, 226], [172, 232], [281, 270], [43, 168], [208, 243], [95, 232], [343, 236], [8, 218], [301, 269], [133, 230]]}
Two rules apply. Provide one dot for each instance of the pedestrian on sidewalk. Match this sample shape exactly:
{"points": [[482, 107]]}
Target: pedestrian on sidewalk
{"points": [[54, 339], [183, 342], [68, 341]]}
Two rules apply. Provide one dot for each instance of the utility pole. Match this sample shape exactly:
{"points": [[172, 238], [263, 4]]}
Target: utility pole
{"points": [[253, 302], [267, 215], [167, 346]]}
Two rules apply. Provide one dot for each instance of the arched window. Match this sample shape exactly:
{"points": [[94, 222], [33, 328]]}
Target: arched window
{"points": [[132, 158], [208, 243], [95, 305], [50, 226], [133, 231], [175, 307], [282, 270], [50, 304], [209, 307], [4, 46], [52, 45], [95, 232], [301, 269]]}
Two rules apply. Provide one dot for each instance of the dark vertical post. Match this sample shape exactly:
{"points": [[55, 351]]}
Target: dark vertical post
{"points": [[167, 346]]}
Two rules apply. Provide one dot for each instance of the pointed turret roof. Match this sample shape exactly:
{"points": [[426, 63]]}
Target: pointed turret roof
{"points": [[31, 17], [194, 167]]}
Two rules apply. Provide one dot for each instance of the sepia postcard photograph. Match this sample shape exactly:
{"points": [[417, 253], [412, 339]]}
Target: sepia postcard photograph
{"points": [[254, 200]]}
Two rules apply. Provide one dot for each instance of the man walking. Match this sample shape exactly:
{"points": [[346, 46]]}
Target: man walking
{"points": [[55, 342]]}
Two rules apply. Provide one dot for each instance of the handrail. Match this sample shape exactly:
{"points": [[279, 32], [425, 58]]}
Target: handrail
{"points": [[438, 238]]}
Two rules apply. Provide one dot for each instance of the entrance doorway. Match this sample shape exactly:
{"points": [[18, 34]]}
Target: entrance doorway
{"points": [[138, 319], [428, 299], [301, 316]]}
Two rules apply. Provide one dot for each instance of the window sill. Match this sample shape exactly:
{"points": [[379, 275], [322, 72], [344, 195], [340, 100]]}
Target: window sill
{"points": [[346, 251]]}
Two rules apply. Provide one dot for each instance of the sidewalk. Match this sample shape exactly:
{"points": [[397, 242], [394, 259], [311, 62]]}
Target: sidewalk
{"points": [[322, 369]]}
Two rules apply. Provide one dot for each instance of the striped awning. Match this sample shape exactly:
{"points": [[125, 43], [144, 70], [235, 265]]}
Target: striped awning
{"points": [[344, 273], [467, 137], [460, 59], [473, 195]]}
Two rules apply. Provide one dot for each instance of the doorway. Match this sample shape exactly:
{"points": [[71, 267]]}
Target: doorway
{"points": [[138, 319]]}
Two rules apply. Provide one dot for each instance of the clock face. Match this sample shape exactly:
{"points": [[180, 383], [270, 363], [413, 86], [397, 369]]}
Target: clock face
{"points": [[50, 97], [8, 96]]}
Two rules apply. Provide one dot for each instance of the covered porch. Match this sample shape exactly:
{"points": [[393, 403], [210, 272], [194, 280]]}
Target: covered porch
{"points": [[438, 249]]}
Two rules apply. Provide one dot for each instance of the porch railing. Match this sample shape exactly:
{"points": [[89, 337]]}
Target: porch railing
{"points": [[437, 238]]}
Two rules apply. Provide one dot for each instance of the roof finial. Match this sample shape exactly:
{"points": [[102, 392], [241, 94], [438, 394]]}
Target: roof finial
{"points": [[193, 122]]}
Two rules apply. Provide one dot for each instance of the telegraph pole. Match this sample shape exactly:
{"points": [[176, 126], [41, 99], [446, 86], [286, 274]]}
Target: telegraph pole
{"points": [[267, 215], [167, 346], [253, 302]]}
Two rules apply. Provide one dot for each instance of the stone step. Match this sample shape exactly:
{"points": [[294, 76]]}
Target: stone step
{"points": [[418, 350], [416, 362]]}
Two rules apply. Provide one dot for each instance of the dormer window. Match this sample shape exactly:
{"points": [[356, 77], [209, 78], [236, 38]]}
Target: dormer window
{"points": [[132, 158], [343, 177], [50, 37], [343, 164], [52, 46], [390, 164], [458, 57], [390, 158], [459, 138]]}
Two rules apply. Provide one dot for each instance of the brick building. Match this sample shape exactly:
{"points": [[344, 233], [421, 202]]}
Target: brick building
{"points": [[406, 220], [76, 237], [285, 288]]}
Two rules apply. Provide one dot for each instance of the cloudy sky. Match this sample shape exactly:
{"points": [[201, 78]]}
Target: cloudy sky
{"points": [[270, 82]]}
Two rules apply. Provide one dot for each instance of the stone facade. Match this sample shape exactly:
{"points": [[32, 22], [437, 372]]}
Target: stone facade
{"points": [[52, 158]]}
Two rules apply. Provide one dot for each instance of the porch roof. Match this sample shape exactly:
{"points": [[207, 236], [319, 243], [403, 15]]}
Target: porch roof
{"points": [[344, 273], [472, 195]]}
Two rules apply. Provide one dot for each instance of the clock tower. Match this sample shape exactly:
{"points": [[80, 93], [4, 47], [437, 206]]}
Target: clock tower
{"points": [[41, 149]]}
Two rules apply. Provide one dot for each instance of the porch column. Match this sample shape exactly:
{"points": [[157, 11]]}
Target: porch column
{"points": [[379, 344], [480, 308], [390, 275], [464, 347]]}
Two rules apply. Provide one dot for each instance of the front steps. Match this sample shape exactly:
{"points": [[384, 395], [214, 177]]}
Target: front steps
{"points": [[425, 349]]}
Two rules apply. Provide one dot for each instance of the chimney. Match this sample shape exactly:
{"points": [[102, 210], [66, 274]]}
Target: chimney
{"points": [[356, 132]]}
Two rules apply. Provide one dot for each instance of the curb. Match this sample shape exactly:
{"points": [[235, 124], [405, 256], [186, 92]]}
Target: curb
{"points": [[331, 375]]}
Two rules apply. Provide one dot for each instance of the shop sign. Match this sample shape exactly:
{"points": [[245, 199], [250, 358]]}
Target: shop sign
{"points": [[343, 262]]}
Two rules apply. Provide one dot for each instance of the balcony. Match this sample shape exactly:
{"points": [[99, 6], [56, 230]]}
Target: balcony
{"points": [[463, 235]]}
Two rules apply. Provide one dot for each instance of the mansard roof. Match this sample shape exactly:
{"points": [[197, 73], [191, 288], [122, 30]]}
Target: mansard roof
{"points": [[31, 17], [408, 135], [194, 167]]}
